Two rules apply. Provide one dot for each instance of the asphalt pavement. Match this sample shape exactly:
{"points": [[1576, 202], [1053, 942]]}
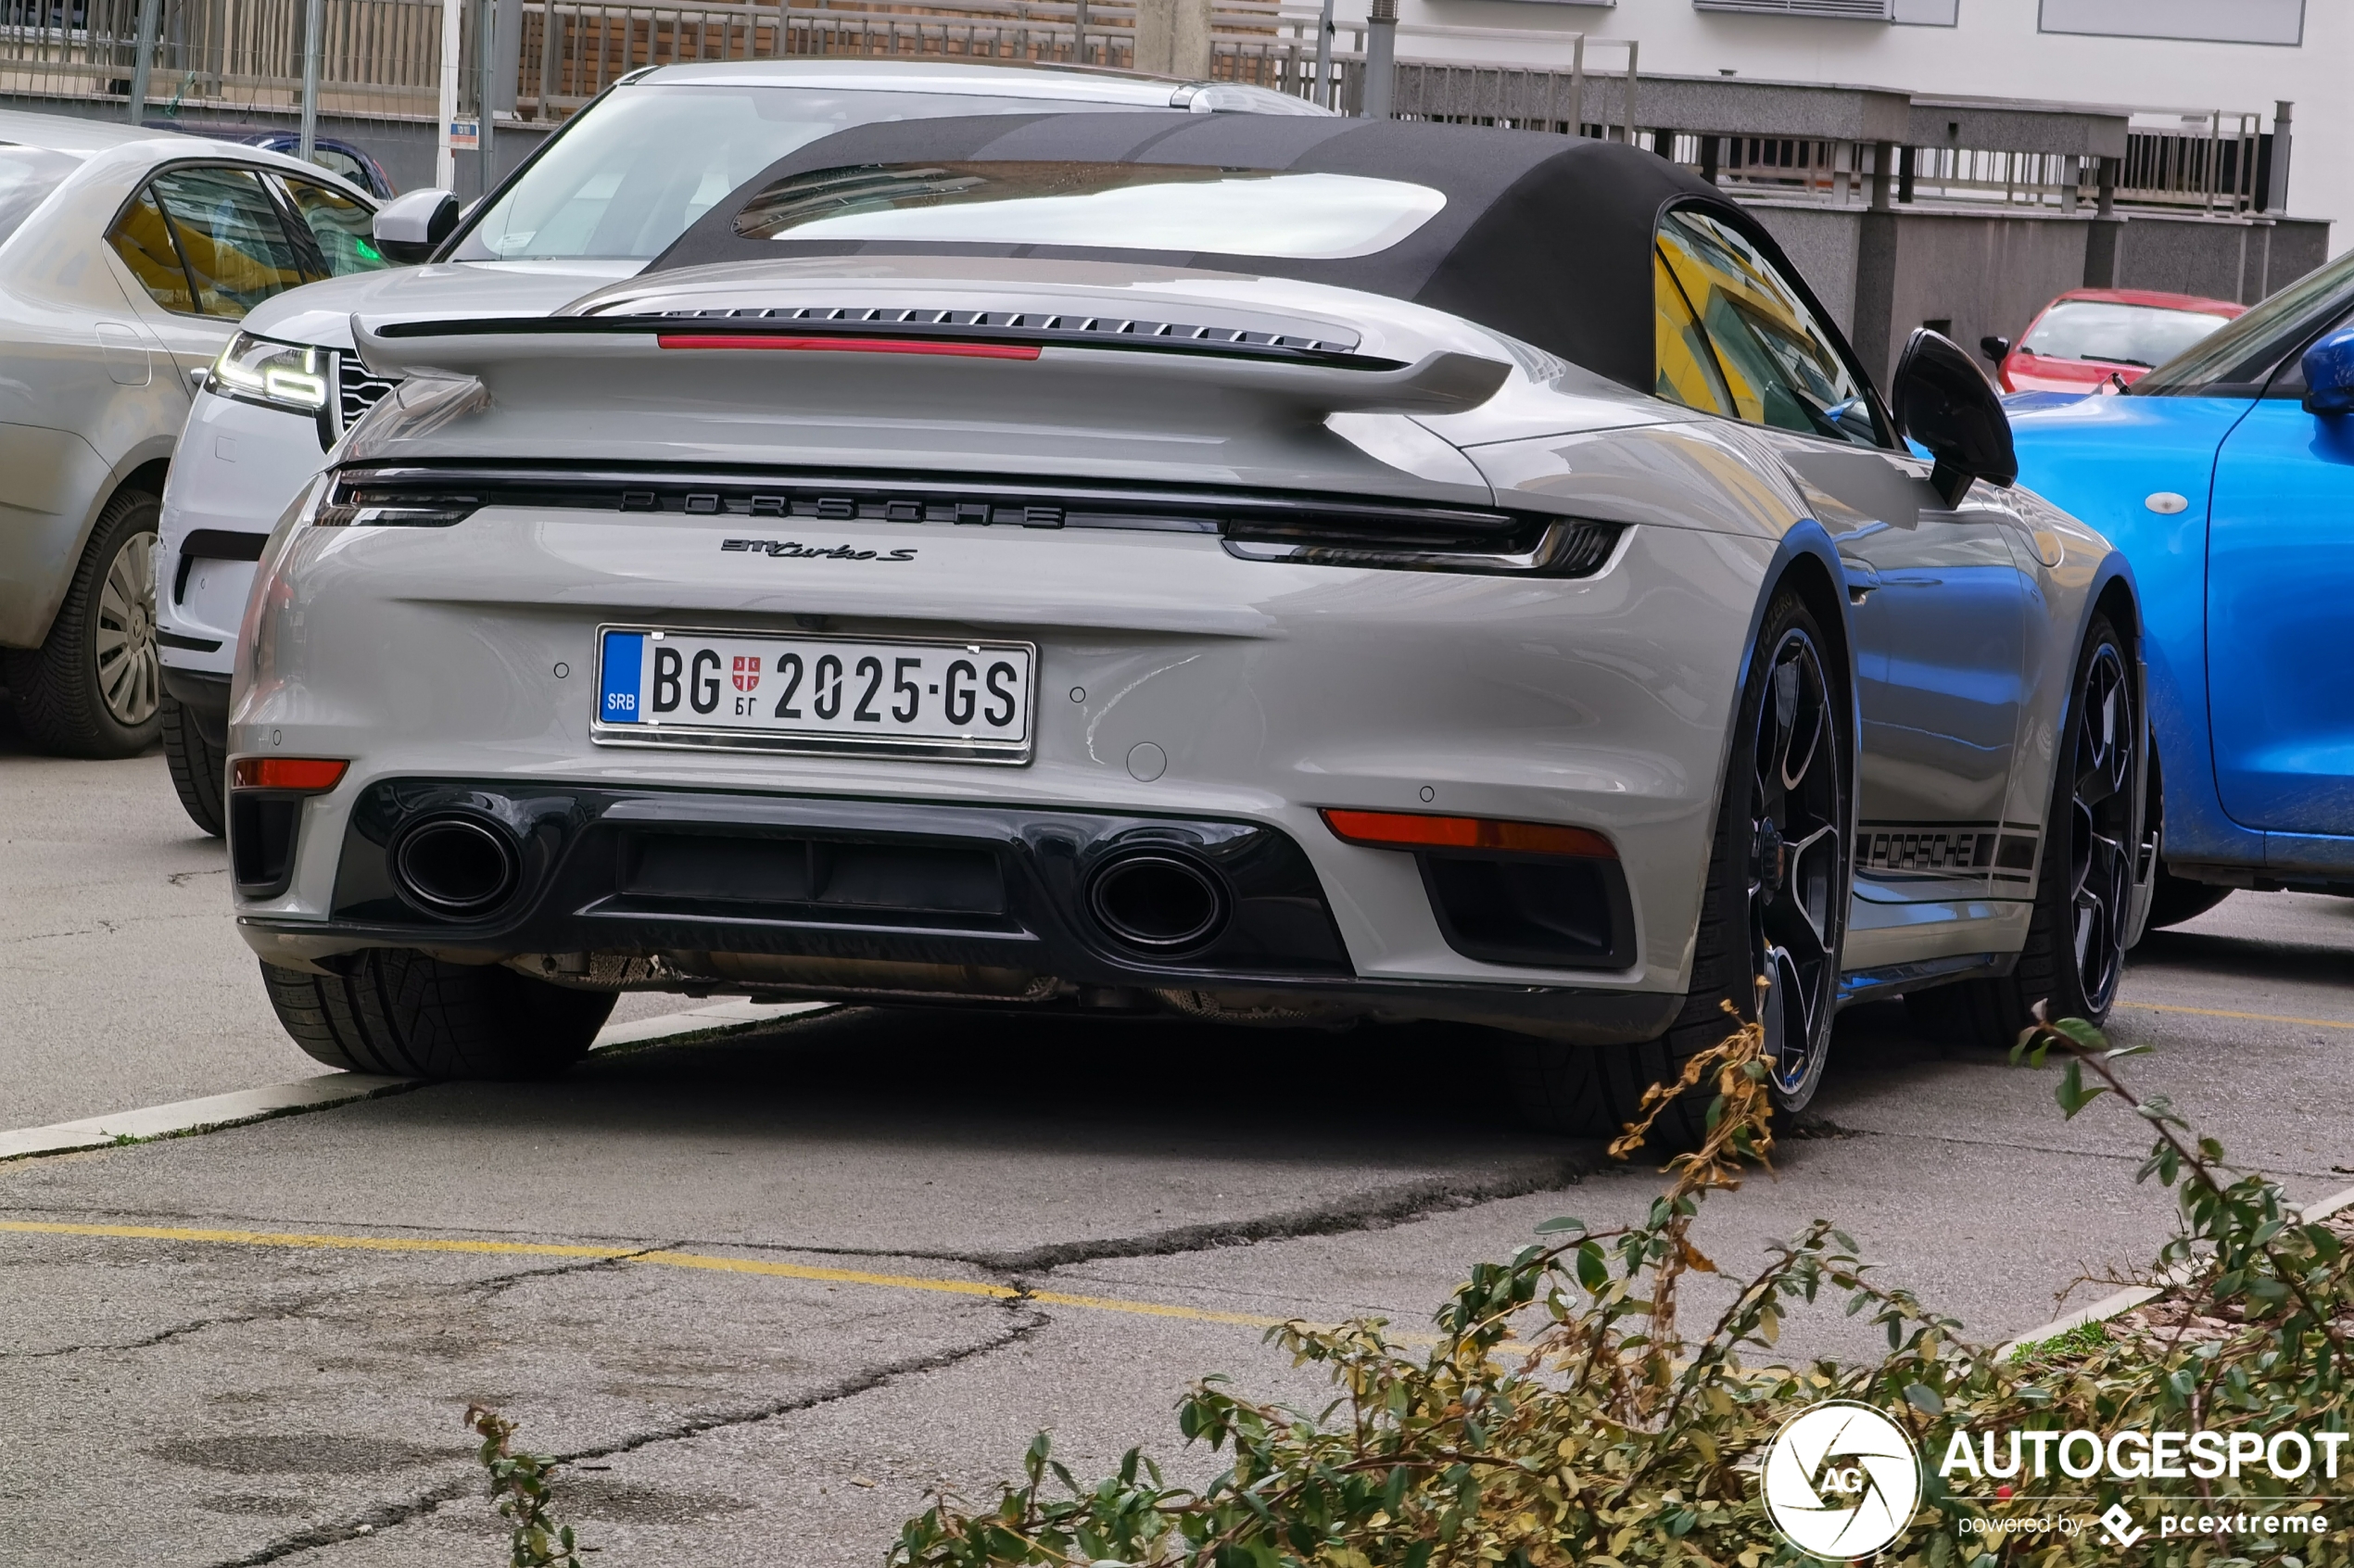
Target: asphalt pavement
{"points": [[767, 1289]]}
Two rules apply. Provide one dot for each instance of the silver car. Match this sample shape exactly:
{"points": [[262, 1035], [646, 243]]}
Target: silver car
{"points": [[613, 190], [127, 259], [1291, 575]]}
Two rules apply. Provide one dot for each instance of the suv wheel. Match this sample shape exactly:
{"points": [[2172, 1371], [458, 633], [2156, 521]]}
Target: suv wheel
{"points": [[94, 689], [198, 767]]}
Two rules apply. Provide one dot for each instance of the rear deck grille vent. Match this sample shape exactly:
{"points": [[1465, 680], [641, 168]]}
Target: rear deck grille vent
{"points": [[1049, 326]]}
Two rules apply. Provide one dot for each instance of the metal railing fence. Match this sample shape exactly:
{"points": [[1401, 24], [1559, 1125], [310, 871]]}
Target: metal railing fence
{"points": [[382, 58], [379, 57], [571, 50]]}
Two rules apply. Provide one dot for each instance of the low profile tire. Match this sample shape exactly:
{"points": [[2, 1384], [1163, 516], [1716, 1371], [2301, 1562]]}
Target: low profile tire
{"points": [[400, 1013], [199, 769], [2075, 950], [1775, 906], [2177, 899], [94, 689]]}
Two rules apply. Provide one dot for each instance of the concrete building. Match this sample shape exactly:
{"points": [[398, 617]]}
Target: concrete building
{"points": [[1947, 163], [2167, 59]]}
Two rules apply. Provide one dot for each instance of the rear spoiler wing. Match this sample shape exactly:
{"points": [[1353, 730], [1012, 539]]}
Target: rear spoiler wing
{"points": [[650, 357]]}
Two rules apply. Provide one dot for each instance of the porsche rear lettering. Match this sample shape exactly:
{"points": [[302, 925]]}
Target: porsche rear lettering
{"points": [[793, 550]]}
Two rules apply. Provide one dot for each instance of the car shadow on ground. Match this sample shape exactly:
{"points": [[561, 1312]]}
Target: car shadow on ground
{"points": [[987, 1078], [1010, 1075], [2238, 960], [14, 743]]}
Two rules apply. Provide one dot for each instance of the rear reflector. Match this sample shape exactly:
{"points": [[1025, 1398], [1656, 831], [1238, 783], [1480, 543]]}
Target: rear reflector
{"points": [[1394, 829], [852, 344], [289, 773]]}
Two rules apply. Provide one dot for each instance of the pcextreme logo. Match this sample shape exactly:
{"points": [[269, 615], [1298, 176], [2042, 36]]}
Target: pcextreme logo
{"points": [[1841, 1480]]}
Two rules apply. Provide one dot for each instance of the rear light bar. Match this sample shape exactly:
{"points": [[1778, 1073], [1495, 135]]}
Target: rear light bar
{"points": [[309, 775], [852, 345], [1504, 545], [1412, 831]]}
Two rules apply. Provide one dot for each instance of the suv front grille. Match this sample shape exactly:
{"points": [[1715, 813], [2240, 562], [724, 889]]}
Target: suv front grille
{"points": [[356, 392]]}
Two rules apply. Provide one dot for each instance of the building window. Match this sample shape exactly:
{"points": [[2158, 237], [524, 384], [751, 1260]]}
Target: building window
{"points": [[2210, 21], [1848, 10]]}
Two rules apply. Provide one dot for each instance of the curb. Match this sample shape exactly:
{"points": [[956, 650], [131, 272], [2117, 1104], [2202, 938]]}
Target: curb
{"points": [[2125, 1300]]}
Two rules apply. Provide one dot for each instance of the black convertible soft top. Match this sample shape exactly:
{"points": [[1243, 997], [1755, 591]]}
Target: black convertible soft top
{"points": [[1545, 237]]}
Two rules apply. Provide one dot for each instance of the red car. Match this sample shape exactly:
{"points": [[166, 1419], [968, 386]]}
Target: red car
{"points": [[2089, 334]]}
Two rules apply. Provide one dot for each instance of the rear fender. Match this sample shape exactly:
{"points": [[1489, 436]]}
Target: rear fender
{"points": [[58, 485]]}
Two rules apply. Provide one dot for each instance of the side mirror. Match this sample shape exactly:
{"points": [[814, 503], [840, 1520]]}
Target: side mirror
{"points": [[409, 228], [1942, 401], [2329, 375], [1995, 349]]}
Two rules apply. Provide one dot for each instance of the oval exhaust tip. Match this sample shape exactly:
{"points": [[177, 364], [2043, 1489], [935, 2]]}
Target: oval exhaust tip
{"points": [[1160, 903], [455, 865]]}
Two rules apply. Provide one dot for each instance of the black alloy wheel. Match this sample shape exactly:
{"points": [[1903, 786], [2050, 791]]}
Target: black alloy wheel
{"points": [[1798, 815], [2074, 954], [2100, 849], [1774, 908]]}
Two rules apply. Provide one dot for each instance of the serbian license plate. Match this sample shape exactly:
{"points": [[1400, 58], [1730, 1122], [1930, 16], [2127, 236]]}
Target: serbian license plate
{"points": [[948, 700]]}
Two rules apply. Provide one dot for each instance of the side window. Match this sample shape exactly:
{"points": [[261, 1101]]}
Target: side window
{"points": [[1687, 373], [344, 229], [1777, 360], [238, 251], [144, 241], [334, 161]]}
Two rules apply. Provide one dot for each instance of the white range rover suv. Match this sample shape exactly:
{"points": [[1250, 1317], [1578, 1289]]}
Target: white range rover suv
{"points": [[604, 196]]}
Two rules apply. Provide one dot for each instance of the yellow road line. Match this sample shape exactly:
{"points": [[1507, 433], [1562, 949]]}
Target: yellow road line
{"points": [[292, 1238], [1153, 1309], [659, 1258], [2223, 1013], [830, 1276]]}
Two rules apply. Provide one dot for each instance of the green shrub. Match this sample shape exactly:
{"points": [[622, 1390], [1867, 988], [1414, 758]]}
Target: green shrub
{"points": [[1564, 1417]]}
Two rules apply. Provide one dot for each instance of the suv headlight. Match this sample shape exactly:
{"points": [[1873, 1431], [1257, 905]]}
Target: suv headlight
{"points": [[294, 376]]}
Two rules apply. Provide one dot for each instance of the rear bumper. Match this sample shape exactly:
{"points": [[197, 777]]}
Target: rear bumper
{"points": [[868, 899], [1172, 680]]}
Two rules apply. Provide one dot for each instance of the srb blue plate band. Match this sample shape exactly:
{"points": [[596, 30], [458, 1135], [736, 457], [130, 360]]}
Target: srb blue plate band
{"points": [[624, 662]]}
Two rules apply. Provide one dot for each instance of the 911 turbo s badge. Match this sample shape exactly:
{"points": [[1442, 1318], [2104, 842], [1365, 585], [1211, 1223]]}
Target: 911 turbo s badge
{"points": [[793, 550]]}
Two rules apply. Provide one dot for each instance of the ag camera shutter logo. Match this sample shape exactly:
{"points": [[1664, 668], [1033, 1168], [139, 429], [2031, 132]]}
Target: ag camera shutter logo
{"points": [[1841, 1480]]}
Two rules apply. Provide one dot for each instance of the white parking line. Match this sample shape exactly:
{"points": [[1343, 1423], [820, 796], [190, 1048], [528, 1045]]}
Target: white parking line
{"points": [[216, 1111], [720, 1015]]}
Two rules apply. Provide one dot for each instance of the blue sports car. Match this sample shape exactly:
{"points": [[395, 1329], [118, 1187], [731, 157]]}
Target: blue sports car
{"points": [[2226, 475]]}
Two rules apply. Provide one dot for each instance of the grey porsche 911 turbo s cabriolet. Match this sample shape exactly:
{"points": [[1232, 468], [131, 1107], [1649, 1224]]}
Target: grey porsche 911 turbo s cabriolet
{"points": [[1281, 571]]}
